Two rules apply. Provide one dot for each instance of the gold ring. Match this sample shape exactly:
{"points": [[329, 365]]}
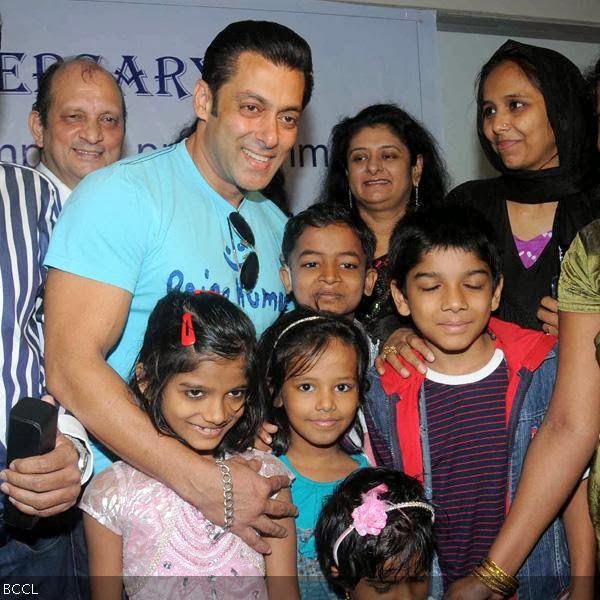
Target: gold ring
{"points": [[389, 350]]}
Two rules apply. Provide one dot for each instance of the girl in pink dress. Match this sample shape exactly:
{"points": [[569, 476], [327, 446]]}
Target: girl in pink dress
{"points": [[195, 378]]}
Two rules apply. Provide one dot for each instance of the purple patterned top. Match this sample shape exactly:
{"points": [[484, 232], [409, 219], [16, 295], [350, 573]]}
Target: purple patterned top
{"points": [[530, 250]]}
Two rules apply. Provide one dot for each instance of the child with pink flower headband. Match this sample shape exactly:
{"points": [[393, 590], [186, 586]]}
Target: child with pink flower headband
{"points": [[375, 536]]}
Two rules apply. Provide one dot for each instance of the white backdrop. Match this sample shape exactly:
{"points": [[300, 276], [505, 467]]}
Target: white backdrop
{"points": [[361, 55]]}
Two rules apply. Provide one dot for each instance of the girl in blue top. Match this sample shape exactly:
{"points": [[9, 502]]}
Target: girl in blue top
{"points": [[314, 372]]}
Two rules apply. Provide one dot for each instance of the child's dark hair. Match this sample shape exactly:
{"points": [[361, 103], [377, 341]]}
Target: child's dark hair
{"points": [[445, 227], [291, 346], [321, 215], [403, 549], [220, 328]]}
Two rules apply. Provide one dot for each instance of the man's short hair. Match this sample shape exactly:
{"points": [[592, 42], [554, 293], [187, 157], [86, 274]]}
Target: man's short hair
{"points": [[321, 215], [450, 227], [274, 42], [88, 65]]}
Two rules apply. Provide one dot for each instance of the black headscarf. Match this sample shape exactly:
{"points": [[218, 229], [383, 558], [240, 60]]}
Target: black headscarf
{"points": [[570, 112]]}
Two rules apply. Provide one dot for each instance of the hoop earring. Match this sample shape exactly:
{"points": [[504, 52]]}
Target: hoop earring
{"points": [[417, 203]]}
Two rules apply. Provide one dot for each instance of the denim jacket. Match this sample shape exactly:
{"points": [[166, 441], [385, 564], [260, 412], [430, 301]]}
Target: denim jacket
{"points": [[532, 359]]}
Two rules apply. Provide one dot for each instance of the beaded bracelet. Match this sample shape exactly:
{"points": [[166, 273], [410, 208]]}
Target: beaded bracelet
{"points": [[496, 578], [227, 481]]}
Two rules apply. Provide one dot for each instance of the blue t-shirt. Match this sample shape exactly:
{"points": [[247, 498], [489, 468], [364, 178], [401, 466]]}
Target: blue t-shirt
{"points": [[151, 224], [309, 496]]}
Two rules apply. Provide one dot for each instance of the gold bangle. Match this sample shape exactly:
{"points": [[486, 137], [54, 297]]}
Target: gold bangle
{"points": [[494, 575], [496, 578], [491, 582], [500, 572]]}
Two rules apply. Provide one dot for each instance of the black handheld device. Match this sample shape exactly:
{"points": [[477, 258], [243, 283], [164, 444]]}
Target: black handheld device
{"points": [[31, 431]]}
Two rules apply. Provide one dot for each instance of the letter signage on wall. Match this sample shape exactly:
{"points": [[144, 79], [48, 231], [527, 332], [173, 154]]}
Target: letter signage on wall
{"points": [[362, 55]]}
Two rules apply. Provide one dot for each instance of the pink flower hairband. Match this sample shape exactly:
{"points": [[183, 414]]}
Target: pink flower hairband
{"points": [[370, 517]]}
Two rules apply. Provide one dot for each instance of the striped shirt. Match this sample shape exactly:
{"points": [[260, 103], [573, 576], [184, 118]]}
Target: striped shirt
{"points": [[30, 207], [469, 462]]}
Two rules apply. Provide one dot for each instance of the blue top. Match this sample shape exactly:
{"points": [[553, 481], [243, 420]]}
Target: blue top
{"points": [[150, 224], [309, 496]]}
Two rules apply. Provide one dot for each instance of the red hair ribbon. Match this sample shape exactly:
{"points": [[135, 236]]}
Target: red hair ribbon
{"points": [[188, 337]]}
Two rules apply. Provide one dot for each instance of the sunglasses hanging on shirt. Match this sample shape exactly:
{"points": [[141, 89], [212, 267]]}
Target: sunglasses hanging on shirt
{"points": [[249, 268]]}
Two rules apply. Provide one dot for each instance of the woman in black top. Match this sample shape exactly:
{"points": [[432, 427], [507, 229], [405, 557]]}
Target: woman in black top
{"points": [[564, 443], [534, 125], [382, 163]]}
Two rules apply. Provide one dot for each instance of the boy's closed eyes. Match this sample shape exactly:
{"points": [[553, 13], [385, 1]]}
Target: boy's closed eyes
{"points": [[450, 296], [474, 280]]}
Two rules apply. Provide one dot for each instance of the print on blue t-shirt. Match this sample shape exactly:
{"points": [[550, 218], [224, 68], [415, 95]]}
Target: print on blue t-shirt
{"points": [[309, 496], [150, 224]]}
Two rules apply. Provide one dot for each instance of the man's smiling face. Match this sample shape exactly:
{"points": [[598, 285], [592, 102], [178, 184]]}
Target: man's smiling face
{"points": [[85, 125], [251, 125]]}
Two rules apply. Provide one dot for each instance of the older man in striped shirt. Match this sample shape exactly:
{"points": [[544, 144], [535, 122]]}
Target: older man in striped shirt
{"points": [[78, 124]]}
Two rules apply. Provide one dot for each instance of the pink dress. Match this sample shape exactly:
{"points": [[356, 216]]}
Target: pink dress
{"points": [[167, 547]]}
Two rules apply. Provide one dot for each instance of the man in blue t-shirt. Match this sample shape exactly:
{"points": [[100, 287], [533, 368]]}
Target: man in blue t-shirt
{"points": [[184, 217]]}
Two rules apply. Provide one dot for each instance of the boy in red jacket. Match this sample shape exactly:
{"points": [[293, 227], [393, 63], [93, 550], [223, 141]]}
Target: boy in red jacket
{"points": [[465, 426]]}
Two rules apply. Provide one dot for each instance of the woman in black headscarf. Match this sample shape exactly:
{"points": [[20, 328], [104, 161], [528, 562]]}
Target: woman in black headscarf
{"points": [[535, 127], [565, 442]]}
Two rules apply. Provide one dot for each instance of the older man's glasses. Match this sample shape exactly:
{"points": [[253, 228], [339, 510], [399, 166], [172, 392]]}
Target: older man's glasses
{"points": [[249, 268]]}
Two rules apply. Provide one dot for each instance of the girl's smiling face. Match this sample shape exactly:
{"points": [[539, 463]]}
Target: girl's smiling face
{"points": [[515, 121], [322, 401], [202, 405]]}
